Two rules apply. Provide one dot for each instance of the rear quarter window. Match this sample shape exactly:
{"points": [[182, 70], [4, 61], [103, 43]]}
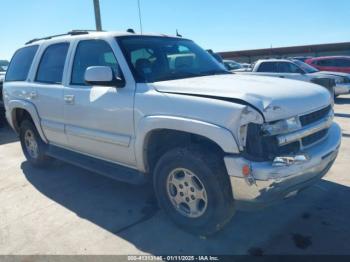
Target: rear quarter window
{"points": [[20, 64]]}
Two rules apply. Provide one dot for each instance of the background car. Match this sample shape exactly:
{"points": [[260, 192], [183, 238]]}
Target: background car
{"points": [[217, 56], [232, 65], [331, 63], [3, 67], [300, 58], [297, 70]]}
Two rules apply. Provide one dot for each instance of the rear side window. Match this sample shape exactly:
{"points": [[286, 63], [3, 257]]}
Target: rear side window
{"points": [[92, 53], [52, 64], [341, 62], [20, 64], [270, 67], [326, 62]]}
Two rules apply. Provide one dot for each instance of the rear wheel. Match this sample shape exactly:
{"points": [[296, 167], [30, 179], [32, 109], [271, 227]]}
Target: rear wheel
{"points": [[34, 148], [192, 186]]}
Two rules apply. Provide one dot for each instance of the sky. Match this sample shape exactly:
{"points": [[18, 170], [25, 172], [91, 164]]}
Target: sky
{"points": [[222, 25]]}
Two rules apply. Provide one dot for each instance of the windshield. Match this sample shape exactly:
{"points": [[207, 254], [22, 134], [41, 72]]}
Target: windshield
{"points": [[307, 68], [153, 59]]}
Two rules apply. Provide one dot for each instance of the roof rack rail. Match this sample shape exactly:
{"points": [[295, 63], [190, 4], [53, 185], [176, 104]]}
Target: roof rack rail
{"points": [[72, 32]]}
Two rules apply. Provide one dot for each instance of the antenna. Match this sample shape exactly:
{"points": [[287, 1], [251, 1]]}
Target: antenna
{"points": [[140, 18], [177, 34]]}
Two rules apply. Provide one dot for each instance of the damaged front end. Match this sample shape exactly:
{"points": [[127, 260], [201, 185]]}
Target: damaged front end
{"points": [[283, 156], [284, 139]]}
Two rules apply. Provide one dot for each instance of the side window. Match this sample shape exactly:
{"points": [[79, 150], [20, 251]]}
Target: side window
{"points": [[341, 62], [326, 62], [92, 53], [52, 64], [284, 67], [20, 64], [268, 67]]}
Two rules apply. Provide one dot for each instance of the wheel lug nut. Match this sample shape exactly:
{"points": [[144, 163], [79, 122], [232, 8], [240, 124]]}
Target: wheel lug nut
{"points": [[181, 194], [181, 186], [192, 197], [187, 199], [192, 189], [186, 184]]}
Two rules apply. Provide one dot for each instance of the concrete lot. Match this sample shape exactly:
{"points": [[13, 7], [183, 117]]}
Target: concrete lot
{"points": [[67, 210]]}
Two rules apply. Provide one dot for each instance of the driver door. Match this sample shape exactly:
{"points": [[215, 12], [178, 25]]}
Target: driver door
{"points": [[99, 119]]}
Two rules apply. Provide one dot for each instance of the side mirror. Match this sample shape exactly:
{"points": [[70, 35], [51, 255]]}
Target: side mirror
{"points": [[103, 76]]}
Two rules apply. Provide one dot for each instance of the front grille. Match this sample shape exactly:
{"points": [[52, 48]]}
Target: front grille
{"points": [[309, 140], [314, 116]]}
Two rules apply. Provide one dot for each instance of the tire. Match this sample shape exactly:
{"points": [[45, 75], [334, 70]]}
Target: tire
{"points": [[2, 118], [34, 154], [216, 207]]}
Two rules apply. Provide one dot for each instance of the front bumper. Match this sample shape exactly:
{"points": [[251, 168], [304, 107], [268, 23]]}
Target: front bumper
{"points": [[342, 89], [273, 183]]}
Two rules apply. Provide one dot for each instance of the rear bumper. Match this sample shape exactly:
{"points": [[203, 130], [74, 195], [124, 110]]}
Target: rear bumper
{"points": [[273, 183], [342, 89]]}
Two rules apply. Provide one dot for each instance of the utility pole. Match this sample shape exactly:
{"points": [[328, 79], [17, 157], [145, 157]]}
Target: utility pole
{"points": [[140, 17], [97, 15]]}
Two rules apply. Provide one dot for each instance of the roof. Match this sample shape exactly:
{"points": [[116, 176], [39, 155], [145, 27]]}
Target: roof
{"points": [[329, 57], [88, 34], [275, 60], [290, 50]]}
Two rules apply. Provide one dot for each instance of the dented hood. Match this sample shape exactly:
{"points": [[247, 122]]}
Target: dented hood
{"points": [[275, 98]]}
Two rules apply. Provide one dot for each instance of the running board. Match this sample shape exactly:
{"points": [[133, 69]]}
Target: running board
{"points": [[111, 170]]}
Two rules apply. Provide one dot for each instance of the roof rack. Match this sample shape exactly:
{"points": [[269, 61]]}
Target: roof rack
{"points": [[72, 33]]}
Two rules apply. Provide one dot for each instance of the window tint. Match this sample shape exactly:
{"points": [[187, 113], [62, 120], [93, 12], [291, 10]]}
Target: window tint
{"points": [[270, 67], [342, 62], [326, 62], [92, 53], [284, 67], [153, 59], [52, 64], [20, 64]]}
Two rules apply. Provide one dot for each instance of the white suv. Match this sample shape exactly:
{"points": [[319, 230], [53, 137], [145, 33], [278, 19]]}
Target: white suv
{"points": [[137, 107]]}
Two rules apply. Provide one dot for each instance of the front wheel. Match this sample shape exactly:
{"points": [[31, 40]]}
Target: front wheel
{"points": [[34, 148], [193, 188]]}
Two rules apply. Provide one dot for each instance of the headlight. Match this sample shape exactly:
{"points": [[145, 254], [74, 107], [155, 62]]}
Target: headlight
{"points": [[248, 115], [282, 126]]}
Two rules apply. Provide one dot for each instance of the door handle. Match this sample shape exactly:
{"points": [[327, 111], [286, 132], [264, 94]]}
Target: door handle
{"points": [[69, 99]]}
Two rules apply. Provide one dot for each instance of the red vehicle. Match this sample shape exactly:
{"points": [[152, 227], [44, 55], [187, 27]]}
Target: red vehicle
{"points": [[331, 63]]}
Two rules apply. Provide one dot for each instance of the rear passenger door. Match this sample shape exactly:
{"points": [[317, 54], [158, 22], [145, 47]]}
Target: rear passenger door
{"points": [[99, 119], [326, 65], [49, 91]]}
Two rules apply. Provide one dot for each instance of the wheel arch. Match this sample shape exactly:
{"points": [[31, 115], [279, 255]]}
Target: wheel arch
{"points": [[149, 128], [20, 110]]}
